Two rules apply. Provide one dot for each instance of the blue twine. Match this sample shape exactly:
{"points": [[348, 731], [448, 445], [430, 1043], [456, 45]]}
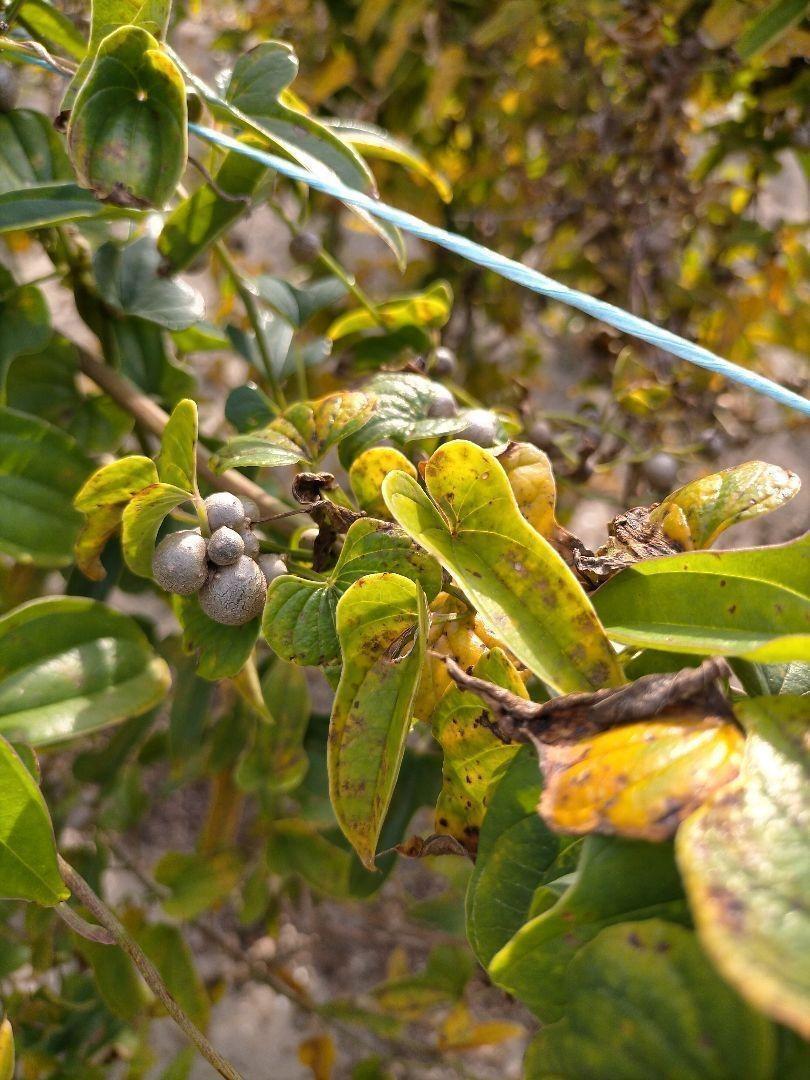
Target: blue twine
{"points": [[515, 271]]}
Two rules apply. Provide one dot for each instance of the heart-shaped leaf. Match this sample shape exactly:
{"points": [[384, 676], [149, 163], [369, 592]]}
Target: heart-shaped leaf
{"points": [[744, 860], [637, 780], [368, 472], [642, 1002], [520, 586], [616, 880], [712, 504], [750, 603], [41, 469], [103, 499], [70, 665], [517, 854], [295, 303], [474, 757], [129, 280], [381, 624], [28, 869], [127, 132], [299, 619]]}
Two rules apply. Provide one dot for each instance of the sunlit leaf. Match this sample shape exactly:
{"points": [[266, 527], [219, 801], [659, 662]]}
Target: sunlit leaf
{"points": [[127, 132], [53, 27], [70, 665], [299, 619], [643, 1001], [430, 308], [745, 867], [713, 503], [141, 521], [474, 757], [460, 1031], [750, 603], [520, 586], [28, 869], [368, 472], [532, 481], [377, 618], [102, 499], [374, 142], [638, 780], [177, 460], [6, 1050]]}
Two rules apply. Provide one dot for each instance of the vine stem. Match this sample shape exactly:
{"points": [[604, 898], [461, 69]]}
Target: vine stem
{"points": [[154, 419], [83, 892]]}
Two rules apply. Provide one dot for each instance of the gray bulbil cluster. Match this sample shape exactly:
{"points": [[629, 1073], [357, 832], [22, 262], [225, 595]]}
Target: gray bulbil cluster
{"points": [[227, 570]]}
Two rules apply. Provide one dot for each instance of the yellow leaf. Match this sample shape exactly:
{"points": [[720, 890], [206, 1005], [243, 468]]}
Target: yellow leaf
{"points": [[6, 1050], [460, 1032], [318, 1053], [638, 780], [367, 473], [532, 480]]}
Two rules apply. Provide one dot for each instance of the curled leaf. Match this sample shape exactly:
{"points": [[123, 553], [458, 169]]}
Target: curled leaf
{"points": [[532, 480], [369, 470], [102, 499]]}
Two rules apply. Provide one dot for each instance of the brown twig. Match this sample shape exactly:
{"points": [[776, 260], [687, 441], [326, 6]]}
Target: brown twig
{"points": [[109, 921], [150, 415]]}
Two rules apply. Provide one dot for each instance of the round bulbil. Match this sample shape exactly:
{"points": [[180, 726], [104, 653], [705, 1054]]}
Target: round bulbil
{"points": [[235, 594], [306, 539], [445, 362], [442, 403], [662, 471], [225, 546], [180, 562], [250, 541], [224, 509], [305, 247], [272, 566], [481, 429], [251, 508]]}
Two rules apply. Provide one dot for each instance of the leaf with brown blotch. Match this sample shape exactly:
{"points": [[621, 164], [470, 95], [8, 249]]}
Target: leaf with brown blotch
{"points": [[638, 780]]}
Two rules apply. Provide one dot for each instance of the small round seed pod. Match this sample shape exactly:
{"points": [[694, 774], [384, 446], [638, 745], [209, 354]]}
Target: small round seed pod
{"points": [[306, 540], [235, 594], [180, 563], [540, 434], [445, 362], [225, 509], [272, 567], [251, 508], [662, 471], [442, 403], [251, 542], [305, 247], [481, 429], [225, 546]]}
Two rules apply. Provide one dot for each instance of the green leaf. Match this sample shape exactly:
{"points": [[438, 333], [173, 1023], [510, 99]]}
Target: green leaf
{"points": [[70, 665], [196, 882], [473, 755], [711, 504], [25, 323], [769, 26], [127, 133], [299, 619], [221, 651], [28, 869], [521, 588], [41, 469], [743, 856], [53, 28], [616, 880], [259, 77], [430, 308], [267, 448], [517, 853], [202, 217], [402, 405], [49, 204], [177, 460], [129, 280], [141, 521], [751, 603], [142, 352], [375, 142], [31, 152], [644, 1002], [117, 981], [168, 951], [102, 499], [248, 408], [277, 761], [297, 304], [443, 979], [376, 619]]}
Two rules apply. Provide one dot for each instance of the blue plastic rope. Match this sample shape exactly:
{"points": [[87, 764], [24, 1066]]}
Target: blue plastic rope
{"points": [[515, 271]]}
